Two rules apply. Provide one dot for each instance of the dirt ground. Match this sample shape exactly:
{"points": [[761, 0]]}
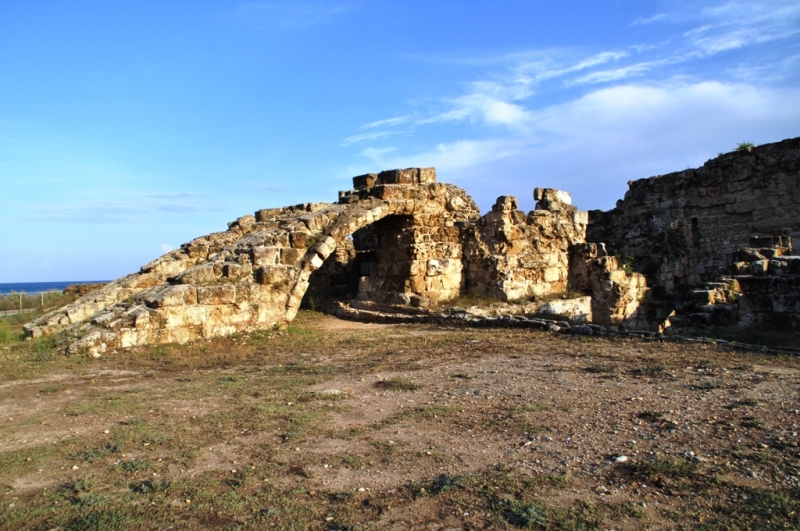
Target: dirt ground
{"points": [[338, 425]]}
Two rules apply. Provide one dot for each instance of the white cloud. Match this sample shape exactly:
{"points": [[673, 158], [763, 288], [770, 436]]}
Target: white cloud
{"points": [[593, 145], [388, 122], [377, 154], [364, 137], [165, 247], [662, 106], [604, 76]]}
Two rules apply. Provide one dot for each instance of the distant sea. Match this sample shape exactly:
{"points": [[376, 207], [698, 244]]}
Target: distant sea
{"points": [[36, 287]]}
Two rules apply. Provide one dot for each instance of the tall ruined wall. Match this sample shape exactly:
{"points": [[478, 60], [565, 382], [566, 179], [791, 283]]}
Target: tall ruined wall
{"points": [[683, 228], [511, 255]]}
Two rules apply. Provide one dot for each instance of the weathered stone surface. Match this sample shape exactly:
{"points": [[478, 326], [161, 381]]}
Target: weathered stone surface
{"points": [[736, 215], [616, 293], [685, 226], [255, 274], [514, 256]]}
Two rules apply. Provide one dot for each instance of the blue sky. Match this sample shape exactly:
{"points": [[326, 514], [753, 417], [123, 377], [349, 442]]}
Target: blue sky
{"points": [[128, 128]]}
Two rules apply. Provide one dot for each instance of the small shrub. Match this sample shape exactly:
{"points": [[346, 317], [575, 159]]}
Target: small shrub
{"points": [[625, 262], [650, 370], [397, 384], [93, 454], [652, 265], [665, 467], [745, 146], [136, 465], [151, 485], [601, 369]]}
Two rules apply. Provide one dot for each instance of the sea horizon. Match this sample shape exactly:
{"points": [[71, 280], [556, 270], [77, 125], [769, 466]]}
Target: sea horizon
{"points": [[37, 287]]}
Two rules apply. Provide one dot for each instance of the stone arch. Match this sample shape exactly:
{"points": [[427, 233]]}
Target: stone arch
{"points": [[254, 275], [357, 216]]}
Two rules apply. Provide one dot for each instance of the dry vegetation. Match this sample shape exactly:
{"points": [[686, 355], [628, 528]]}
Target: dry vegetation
{"points": [[332, 425]]}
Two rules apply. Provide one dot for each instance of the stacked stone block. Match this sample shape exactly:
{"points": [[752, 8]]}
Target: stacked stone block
{"points": [[515, 256], [414, 258]]}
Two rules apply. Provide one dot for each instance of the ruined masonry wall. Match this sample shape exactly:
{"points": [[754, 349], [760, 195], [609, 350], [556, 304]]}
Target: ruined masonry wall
{"points": [[512, 256], [683, 228]]}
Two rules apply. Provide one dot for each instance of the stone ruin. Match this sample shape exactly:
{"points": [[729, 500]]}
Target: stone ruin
{"points": [[711, 245], [714, 243]]}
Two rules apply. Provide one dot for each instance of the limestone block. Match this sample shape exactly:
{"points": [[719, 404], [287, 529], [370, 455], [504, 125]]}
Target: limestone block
{"points": [[760, 267], [219, 294], [197, 251], [275, 276], [427, 175], [323, 249], [505, 203], [182, 317], [451, 281], [169, 296], [262, 255], [316, 261], [246, 221], [268, 213], [406, 176], [281, 239], [553, 274], [234, 271], [580, 217], [166, 267], [434, 267], [139, 317], [290, 256], [364, 284], [298, 239], [365, 181], [198, 274]]}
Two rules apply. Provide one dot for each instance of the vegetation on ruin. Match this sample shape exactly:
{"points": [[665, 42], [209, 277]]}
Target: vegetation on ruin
{"points": [[745, 146]]}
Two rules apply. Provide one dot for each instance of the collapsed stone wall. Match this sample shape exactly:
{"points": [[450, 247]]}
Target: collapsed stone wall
{"points": [[415, 258], [512, 256], [683, 228], [714, 242]]}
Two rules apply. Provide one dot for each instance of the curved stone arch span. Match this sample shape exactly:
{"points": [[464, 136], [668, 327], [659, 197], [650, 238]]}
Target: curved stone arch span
{"points": [[355, 218]]}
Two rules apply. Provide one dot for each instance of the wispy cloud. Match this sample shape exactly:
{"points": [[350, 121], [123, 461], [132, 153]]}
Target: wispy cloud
{"points": [[377, 154], [507, 100], [658, 17], [366, 136], [619, 104], [388, 122]]}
